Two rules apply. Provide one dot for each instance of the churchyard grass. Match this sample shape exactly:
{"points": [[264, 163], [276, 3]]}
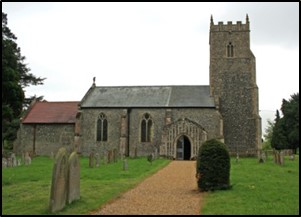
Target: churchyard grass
{"points": [[26, 189], [258, 189]]}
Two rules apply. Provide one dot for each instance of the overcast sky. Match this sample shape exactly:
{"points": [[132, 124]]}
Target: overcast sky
{"points": [[124, 44]]}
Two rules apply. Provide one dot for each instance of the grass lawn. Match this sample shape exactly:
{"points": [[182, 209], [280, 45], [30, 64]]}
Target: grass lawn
{"points": [[258, 189], [26, 189]]}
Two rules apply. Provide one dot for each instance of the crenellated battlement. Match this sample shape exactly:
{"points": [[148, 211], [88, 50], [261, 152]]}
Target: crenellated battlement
{"points": [[239, 26]]}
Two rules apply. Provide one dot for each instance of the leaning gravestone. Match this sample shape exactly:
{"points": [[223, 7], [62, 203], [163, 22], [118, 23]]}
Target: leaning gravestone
{"points": [[58, 193], [73, 178]]}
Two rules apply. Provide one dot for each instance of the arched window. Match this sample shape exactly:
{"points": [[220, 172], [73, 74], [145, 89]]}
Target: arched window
{"points": [[230, 50], [146, 127], [102, 128]]}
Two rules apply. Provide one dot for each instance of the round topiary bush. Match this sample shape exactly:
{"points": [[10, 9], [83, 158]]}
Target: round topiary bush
{"points": [[213, 166]]}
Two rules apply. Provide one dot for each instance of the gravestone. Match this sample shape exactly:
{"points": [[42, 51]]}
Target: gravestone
{"points": [[125, 164], [73, 191], [9, 162], [91, 160], [58, 193], [109, 156], [51, 155], [97, 159], [27, 159], [23, 157], [156, 153], [4, 162], [281, 158], [237, 157], [13, 159], [135, 152], [114, 155], [19, 162]]}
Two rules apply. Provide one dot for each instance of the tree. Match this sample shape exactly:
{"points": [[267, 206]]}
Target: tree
{"points": [[279, 139], [290, 110], [15, 77], [213, 166]]}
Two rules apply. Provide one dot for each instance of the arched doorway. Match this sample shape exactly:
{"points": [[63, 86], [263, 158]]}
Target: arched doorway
{"points": [[183, 148]]}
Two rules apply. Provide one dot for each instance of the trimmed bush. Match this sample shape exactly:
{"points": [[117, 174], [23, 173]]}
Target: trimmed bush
{"points": [[213, 166]]}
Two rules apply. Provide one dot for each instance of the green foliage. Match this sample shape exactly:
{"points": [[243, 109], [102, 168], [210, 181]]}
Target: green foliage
{"points": [[150, 158], [279, 138], [290, 110], [213, 166], [15, 77], [286, 129], [259, 189]]}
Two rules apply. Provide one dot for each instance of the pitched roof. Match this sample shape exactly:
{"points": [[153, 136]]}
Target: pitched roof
{"points": [[51, 112], [148, 96]]}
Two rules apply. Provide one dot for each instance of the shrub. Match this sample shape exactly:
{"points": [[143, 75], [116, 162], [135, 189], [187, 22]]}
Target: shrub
{"points": [[213, 166]]}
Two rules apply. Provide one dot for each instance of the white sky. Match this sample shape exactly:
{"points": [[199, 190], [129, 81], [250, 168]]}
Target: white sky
{"points": [[124, 44]]}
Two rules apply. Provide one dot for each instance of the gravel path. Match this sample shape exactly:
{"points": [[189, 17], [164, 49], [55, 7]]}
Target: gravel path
{"points": [[172, 191]]}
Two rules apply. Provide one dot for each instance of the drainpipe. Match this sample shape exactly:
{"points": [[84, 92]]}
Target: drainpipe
{"points": [[34, 139], [128, 132]]}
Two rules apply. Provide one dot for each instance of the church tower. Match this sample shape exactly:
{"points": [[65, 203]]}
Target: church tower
{"points": [[233, 85]]}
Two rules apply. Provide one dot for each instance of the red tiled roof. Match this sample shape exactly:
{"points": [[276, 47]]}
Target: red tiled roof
{"points": [[52, 112]]}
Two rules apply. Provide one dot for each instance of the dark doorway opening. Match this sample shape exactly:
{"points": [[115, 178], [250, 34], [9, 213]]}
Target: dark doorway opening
{"points": [[183, 148]]}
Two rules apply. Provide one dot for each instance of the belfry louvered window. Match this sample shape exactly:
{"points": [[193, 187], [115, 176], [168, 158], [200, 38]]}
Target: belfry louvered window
{"points": [[146, 128], [230, 52], [102, 128]]}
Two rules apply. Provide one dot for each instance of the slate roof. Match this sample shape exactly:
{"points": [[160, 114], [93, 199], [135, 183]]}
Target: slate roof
{"points": [[148, 96], [51, 112]]}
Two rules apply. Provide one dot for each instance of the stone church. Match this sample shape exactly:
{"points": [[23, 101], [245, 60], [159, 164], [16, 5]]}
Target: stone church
{"points": [[171, 121]]}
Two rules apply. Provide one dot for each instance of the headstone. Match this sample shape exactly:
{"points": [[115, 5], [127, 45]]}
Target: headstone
{"points": [[105, 159], [109, 156], [58, 193], [9, 162], [23, 157], [19, 162], [237, 157], [125, 164], [114, 155], [27, 159], [135, 152], [281, 158], [13, 159], [51, 155], [156, 153], [262, 157], [91, 160], [4, 162], [73, 192], [97, 159], [291, 154]]}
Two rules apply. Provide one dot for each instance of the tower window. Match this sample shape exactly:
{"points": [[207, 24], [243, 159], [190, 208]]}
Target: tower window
{"points": [[102, 128], [146, 127], [230, 50]]}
